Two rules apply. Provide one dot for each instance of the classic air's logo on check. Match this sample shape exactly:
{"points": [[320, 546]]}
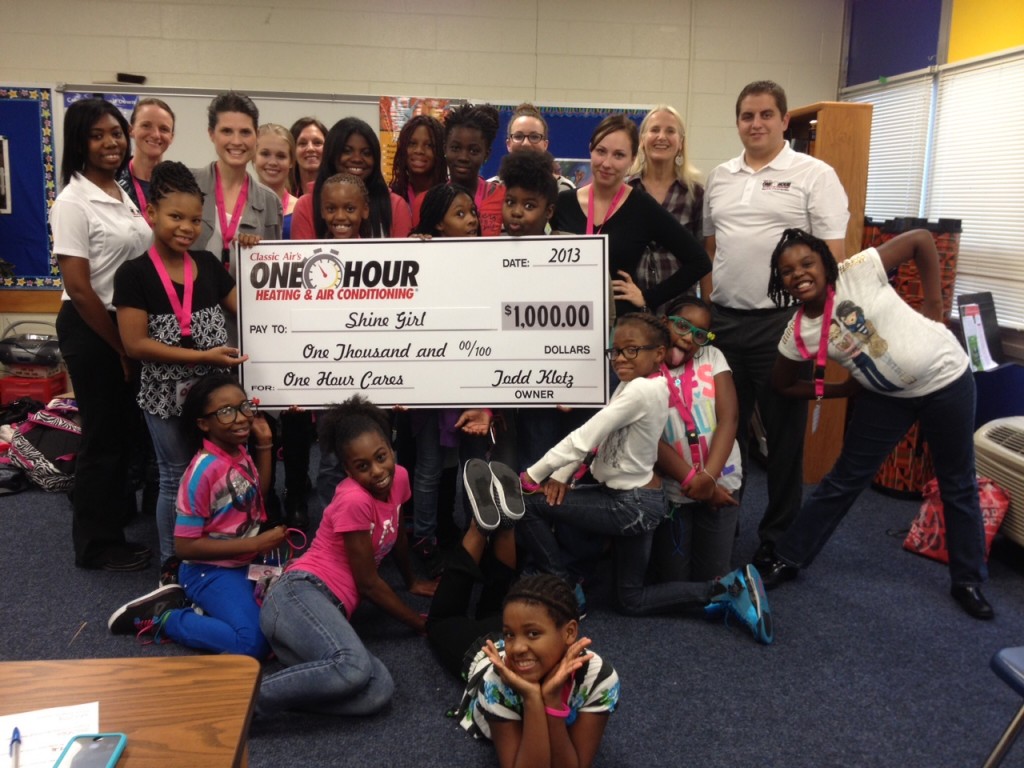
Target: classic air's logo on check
{"points": [[326, 276]]}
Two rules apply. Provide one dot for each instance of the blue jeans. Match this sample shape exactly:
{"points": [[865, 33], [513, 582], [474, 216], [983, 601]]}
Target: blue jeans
{"points": [[631, 517], [172, 457], [328, 670], [696, 543], [230, 622], [426, 478], [879, 422]]}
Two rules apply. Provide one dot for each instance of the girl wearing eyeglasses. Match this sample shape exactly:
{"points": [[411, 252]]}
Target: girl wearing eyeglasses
{"points": [[621, 444], [698, 457], [171, 304], [217, 531]]}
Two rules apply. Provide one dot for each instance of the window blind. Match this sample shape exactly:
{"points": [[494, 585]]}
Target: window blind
{"points": [[899, 134], [977, 175]]}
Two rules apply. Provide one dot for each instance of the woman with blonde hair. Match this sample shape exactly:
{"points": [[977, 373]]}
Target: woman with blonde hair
{"points": [[662, 169], [274, 163]]}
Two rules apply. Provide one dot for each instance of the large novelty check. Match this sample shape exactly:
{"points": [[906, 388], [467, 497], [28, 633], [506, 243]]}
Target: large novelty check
{"points": [[464, 322]]}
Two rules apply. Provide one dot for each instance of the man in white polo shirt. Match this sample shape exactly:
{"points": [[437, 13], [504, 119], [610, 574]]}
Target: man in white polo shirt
{"points": [[748, 202]]}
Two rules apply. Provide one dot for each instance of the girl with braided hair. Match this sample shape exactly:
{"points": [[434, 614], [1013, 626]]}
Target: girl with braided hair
{"points": [[922, 374], [306, 614], [469, 133], [532, 685], [171, 305]]}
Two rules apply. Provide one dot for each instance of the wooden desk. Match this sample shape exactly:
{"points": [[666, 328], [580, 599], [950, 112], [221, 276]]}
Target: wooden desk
{"points": [[176, 710]]}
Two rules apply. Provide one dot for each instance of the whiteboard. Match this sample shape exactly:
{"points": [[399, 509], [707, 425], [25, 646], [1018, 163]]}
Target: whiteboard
{"points": [[191, 144]]}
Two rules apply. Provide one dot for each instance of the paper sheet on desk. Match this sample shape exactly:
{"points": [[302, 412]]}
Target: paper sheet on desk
{"points": [[44, 732]]}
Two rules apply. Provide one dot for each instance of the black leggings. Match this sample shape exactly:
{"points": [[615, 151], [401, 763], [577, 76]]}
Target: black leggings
{"points": [[451, 630]]}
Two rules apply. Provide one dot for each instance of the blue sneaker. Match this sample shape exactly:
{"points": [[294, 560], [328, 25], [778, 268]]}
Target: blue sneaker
{"points": [[581, 600], [744, 597]]}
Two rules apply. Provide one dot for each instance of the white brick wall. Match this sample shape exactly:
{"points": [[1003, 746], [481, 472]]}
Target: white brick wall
{"points": [[559, 51]]}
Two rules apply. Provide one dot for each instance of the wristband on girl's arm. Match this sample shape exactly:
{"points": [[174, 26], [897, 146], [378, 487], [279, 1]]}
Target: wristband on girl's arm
{"points": [[692, 474], [559, 713], [527, 484]]}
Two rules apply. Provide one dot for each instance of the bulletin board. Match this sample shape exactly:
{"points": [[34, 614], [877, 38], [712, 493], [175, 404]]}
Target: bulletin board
{"points": [[29, 187]]}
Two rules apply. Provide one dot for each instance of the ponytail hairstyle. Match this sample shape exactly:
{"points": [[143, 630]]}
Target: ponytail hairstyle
{"points": [[776, 291], [343, 422], [232, 101], [400, 168], [355, 181], [152, 101], [169, 177], [655, 329], [436, 202], [379, 195], [551, 592]]}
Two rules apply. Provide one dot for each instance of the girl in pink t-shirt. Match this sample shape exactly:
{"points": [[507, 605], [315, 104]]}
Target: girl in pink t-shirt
{"points": [[305, 615]]}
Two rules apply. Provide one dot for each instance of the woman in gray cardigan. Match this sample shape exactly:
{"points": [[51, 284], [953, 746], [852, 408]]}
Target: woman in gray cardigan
{"points": [[236, 206]]}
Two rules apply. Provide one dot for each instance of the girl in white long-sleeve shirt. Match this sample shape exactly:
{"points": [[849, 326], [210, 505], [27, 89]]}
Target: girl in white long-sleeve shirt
{"points": [[627, 502]]}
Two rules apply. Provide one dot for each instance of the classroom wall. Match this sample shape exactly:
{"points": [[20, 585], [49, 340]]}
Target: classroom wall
{"points": [[694, 54], [978, 27]]}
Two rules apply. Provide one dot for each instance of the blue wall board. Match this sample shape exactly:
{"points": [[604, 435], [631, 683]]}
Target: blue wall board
{"points": [[890, 37], [26, 123]]}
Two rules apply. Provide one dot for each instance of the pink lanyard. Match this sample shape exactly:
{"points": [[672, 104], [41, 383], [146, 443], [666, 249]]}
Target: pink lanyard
{"points": [[822, 356], [608, 215], [245, 468], [286, 201], [138, 191], [228, 233], [683, 403], [182, 309]]}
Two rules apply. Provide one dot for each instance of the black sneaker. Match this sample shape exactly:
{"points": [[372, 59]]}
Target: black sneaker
{"points": [[508, 492], [138, 549], [479, 488], [118, 558], [126, 619]]}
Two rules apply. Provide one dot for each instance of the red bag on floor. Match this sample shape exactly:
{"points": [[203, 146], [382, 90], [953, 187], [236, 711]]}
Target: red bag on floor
{"points": [[927, 534]]}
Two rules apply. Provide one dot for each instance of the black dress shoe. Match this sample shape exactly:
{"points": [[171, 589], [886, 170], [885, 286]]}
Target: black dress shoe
{"points": [[764, 556], [777, 572], [971, 600]]}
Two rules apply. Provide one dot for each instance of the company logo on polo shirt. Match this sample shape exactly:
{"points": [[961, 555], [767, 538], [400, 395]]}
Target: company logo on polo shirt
{"points": [[775, 186]]}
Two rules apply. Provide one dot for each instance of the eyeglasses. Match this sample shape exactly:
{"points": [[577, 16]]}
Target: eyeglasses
{"points": [[229, 413], [629, 353], [533, 138], [684, 327]]}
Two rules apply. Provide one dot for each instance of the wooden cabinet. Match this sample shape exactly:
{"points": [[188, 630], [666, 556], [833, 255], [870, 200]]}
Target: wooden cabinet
{"points": [[839, 134]]}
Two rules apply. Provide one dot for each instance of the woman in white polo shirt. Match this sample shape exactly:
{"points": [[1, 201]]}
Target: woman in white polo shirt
{"points": [[96, 227]]}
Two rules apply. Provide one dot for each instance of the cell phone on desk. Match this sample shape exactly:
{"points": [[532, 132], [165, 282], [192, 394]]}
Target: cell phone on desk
{"points": [[92, 750]]}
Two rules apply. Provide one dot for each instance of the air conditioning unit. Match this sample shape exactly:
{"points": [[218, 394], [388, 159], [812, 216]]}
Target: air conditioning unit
{"points": [[999, 454]]}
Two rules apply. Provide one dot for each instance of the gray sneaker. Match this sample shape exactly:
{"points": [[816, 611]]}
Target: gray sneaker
{"points": [[162, 599]]}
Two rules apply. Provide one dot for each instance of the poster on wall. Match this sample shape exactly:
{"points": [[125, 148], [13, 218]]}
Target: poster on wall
{"points": [[395, 112], [125, 102], [28, 188]]}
